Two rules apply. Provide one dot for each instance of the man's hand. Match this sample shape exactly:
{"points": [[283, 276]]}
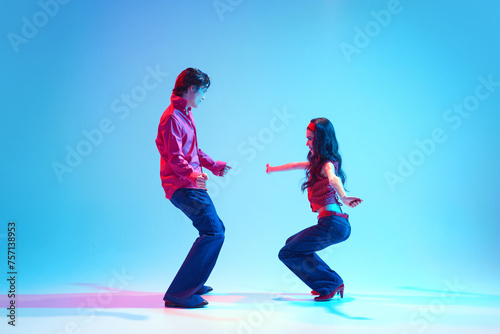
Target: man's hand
{"points": [[224, 171], [200, 180]]}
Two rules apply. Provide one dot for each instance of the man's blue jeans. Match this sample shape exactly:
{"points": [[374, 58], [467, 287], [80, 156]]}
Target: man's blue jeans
{"points": [[194, 272], [299, 253]]}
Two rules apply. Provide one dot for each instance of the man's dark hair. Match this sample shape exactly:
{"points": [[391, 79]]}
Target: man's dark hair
{"points": [[190, 77]]}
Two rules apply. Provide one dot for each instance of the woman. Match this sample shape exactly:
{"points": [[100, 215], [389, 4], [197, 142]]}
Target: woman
{"points": [[324, 185]]}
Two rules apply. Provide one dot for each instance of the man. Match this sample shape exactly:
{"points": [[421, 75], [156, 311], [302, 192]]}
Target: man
{"points": [[185, 186]]}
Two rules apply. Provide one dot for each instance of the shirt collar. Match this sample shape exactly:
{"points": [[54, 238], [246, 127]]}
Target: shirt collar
{"points": [[179, 103]]}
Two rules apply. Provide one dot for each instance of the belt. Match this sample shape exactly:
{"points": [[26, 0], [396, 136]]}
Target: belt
{"points": [[332, 213]]}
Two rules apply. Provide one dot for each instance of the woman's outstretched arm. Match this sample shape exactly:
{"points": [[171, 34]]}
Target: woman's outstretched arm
{"points": [[336, 183], [289, 166]]}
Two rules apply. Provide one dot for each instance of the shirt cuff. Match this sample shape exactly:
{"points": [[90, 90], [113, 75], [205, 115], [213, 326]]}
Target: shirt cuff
{"points": [[218, 167]]}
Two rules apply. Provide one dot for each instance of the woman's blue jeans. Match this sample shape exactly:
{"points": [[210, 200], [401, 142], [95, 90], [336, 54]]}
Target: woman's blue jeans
{"points": [[299, 255], [194, 272]]}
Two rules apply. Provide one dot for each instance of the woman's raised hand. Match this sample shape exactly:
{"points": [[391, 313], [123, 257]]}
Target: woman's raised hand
{"points": [[268, 168]]}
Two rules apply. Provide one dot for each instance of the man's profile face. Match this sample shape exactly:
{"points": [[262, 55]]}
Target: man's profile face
{"points": [[195, 96]]}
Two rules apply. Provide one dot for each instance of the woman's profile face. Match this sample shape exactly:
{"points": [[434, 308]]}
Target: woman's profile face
{"points": [[310, 138]]}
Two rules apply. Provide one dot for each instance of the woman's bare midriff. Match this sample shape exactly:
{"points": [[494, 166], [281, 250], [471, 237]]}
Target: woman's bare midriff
{"points": [[329, 207]]}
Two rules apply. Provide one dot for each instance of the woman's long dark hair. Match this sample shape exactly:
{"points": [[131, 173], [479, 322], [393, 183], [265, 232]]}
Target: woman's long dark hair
{"points": [[325, 148]]}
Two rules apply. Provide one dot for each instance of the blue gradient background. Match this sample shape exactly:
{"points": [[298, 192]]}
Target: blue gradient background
{"points": [[264, 58]]}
